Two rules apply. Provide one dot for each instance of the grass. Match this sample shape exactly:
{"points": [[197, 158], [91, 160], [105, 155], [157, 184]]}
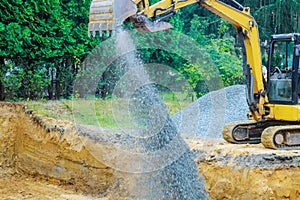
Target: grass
{"points": [[109, 113], [175, 101], [53, 109]]}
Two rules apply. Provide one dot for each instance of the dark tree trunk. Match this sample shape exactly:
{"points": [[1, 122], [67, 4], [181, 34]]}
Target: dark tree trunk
{"points": [[50, 91], [2, 91], [57, 90], [58, 84], [52, 83], [103, 88], [2, 94], [32, 89]]}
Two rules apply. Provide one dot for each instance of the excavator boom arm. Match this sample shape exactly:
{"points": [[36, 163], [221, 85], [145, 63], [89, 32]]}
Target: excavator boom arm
{"points": [[150, 18], [246, 27], [164, 6]]}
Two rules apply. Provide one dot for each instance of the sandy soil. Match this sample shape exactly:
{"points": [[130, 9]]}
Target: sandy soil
{"points": [[62, 166], [248, 171], [16, 186], [37, 160]]}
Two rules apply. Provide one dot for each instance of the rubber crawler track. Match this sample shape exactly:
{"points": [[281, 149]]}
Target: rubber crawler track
{"points": [[269, 133]]}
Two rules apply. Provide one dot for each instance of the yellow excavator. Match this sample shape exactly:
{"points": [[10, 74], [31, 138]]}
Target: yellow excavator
{"points": [[272, 96]]}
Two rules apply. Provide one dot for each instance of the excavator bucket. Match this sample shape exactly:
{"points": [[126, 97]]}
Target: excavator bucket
{"points": [[143, 24], [106, 15]]}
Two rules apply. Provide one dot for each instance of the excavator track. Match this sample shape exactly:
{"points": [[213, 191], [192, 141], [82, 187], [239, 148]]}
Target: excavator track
{"points": [[273, 134], [281, 137], [242, 132]]}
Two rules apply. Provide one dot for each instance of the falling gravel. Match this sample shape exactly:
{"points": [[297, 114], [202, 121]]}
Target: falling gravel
{"points": [[159, 164], [206, 117]]}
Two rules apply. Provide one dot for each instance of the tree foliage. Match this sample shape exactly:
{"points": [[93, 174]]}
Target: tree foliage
{"points": [[43, 44]]}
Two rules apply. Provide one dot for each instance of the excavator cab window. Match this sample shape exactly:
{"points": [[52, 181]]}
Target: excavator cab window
{"points": [[282, 76]]}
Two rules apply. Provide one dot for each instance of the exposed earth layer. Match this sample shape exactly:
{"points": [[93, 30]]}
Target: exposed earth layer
{"points": [[43, 158]]}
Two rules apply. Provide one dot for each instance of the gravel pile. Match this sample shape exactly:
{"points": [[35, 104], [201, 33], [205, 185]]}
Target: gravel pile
{"points": [[206, 117]]}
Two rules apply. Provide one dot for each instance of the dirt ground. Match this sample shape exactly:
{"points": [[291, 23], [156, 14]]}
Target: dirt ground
{"points": [[248, 171], [15, 186], [50, 160], [37, 160]]}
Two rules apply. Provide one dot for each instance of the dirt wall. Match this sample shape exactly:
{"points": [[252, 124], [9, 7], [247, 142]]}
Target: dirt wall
{"points": [[55, 151], [228, 182], [248, 171], [51, 149]]}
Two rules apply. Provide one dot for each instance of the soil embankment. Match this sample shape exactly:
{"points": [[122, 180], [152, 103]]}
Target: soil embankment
{"points": [[248, 171], [50, 150], [42, 158]]}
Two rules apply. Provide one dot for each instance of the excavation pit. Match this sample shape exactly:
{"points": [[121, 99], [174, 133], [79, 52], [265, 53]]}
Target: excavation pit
{"points": [[43, 158]]}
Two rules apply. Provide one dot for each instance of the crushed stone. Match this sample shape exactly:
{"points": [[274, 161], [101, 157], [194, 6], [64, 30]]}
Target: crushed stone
{"points": [[206, 117]]}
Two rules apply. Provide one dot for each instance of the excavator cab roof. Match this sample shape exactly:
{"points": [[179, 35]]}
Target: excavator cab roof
{"points": [[288, 36]]}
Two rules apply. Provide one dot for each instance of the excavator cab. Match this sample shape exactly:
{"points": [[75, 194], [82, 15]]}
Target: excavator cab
{"points": [[283, 69]]}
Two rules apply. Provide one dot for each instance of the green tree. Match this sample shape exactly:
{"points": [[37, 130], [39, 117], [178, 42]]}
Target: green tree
{"points": [[47, 40], [275, 16]]}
